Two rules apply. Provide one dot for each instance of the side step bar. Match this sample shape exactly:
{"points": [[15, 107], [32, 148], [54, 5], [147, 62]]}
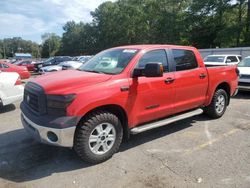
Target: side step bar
{"points": [[166, 121]]}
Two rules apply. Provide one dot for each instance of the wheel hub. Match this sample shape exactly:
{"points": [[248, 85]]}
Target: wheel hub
{"points": [[102, 138], [220, 103]]}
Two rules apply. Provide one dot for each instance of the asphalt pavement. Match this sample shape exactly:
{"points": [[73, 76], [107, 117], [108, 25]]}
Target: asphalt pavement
{"points": [[196, 152]]}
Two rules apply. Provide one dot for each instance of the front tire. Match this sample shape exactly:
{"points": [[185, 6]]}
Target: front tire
{"points": [[98, 137], [218, 106]]}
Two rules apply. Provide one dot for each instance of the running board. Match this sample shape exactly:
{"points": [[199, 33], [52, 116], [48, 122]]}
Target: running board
{"points": [[166, 121]]}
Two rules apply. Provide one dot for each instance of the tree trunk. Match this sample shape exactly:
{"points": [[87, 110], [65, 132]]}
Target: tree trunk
{"points": [[248, 24], [239, 30]]}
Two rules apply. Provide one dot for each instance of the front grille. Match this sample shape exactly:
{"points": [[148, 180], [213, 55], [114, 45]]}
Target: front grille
{"points": [[35, 98], [245, 76], [244, 84], [32, 100], [64, 67]]}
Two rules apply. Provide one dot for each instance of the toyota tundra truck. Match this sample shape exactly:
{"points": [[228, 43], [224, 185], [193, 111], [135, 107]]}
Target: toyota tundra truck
{"points": [[122, 91]]}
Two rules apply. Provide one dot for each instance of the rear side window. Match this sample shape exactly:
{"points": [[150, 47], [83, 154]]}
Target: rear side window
{"points": [[233, 59], [184, 59], [155, 56]]}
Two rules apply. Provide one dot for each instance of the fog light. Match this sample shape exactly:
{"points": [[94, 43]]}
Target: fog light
{"points": [[52, 136]]}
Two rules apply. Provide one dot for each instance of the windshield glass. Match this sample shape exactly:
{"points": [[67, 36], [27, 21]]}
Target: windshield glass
{"points": [[48, 60], [245, 63], [112, 61], [219, 59]]}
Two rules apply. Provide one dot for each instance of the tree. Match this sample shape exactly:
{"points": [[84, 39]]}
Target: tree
{"points": [[9, 46], [51, 44]]}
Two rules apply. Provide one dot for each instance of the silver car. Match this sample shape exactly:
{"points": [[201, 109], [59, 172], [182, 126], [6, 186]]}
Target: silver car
{"points": [[61, 66]]}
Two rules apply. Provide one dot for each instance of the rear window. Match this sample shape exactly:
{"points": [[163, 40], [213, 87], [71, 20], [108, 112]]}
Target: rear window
{"points": [[184, 59], [233, 59], [215, 59]]}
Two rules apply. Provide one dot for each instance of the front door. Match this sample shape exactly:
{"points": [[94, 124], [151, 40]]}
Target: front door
{"points": [[152, 98]]}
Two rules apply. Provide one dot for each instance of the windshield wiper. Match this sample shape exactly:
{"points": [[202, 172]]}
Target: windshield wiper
{"points": [[94, 71]]}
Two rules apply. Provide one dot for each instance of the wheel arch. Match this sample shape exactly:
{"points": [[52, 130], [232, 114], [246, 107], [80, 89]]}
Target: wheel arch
{"points": [[225, 86], [118, 111]]}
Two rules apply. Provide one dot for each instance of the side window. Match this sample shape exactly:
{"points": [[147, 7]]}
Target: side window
{"points": [[1, 65], [233, 59], [184, 59], [5, 66], [155, 56]]}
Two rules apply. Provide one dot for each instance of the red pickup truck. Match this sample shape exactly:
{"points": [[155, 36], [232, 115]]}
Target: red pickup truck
{"points": [[122, 91]]}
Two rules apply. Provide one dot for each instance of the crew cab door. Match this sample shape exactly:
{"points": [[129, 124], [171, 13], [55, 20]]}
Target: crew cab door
{"points": [[191, 80], [152, 98]]}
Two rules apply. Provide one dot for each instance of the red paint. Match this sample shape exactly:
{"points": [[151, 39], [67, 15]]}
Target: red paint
{"points": [[22, 71], [30, 66], [93, 90]]}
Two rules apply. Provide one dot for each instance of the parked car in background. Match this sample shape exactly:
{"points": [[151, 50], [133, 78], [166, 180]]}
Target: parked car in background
{"points": [[21, 70], [11, 88], [51, 61], [222, 60], [122, 91], [84, 59], [30, 64], [66, 65], [244, 68]]}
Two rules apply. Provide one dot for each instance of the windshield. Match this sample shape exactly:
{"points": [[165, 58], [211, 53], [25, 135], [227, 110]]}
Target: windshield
{"points": [[245, 63], [218, 59], [48, 60], [112, 61]]}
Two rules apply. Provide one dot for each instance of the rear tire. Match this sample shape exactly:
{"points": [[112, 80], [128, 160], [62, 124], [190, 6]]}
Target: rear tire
{"points": [[218, 106], [98, 137]]}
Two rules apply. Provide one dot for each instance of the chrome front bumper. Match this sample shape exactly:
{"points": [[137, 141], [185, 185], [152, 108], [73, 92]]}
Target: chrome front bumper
{"points": [[59, 137]]}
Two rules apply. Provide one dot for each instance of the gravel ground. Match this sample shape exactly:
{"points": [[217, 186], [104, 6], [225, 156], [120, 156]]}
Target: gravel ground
{"points": [[197, 152]]}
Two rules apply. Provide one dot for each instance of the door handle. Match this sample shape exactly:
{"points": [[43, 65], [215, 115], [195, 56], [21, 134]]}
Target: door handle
{"points": [[169, 80], [202, 76]]}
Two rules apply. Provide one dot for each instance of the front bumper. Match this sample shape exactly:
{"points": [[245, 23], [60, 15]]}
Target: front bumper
{"points": [[59, 137]]}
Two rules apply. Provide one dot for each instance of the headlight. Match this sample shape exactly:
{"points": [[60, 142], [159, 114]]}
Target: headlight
{"points": [[57, 104]]}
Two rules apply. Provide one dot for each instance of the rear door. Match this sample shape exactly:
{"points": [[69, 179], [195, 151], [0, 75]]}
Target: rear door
{"points": [[152, 98], [191, 81]]}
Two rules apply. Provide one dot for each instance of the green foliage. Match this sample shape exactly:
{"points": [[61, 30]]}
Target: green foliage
{"points": [[9, 46], [200, 23], [51, 44]]}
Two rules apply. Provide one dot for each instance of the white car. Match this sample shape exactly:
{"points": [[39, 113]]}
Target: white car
{"points": [[222, 60], [11, 88], [244, 80], [61, 66]]}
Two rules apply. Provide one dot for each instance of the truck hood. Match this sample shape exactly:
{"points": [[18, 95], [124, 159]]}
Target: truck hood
{"points": [[244, 70], [66, 81]]}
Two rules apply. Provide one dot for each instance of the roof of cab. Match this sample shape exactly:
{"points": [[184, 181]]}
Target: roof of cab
{"points": [[149, 46]]}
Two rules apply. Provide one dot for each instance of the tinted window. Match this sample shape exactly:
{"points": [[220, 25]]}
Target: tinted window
{"points": [[155, 56], [233, 59], [26, 62], [184, 59], [1, 65], [215, 59]]}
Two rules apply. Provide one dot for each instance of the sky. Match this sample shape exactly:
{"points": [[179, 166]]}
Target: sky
{"points": [[30, 19]]}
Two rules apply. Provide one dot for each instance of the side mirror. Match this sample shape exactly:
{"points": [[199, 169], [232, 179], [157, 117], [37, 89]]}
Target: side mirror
{"points": [[150, 70]]}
